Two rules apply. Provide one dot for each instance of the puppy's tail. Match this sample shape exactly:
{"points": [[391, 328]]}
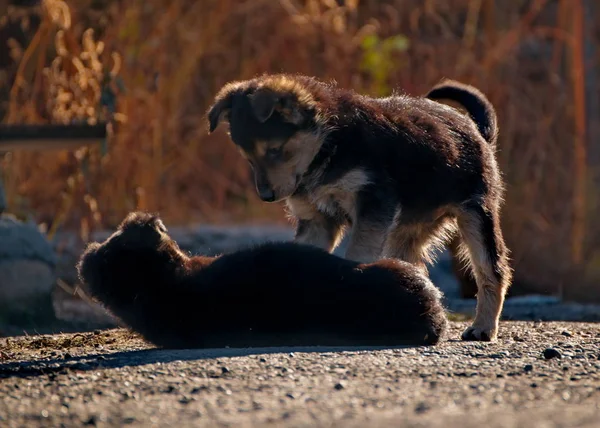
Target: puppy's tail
{"points": [[478, 106]]}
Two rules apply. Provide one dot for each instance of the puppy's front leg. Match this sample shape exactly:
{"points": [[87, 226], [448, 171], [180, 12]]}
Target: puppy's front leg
{"points": [[314, 227], [373, 215], [321, 231], [366, 241]]}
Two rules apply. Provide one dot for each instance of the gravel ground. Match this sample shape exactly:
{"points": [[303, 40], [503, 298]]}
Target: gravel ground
{"points": [[539, 374]]}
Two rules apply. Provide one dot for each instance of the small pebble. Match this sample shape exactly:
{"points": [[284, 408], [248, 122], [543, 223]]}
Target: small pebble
{"points": [[339, 386], [185, 400], [528, 368], [92, 420], [567, 333], [422, 407], [551, 353], [224, 370]]}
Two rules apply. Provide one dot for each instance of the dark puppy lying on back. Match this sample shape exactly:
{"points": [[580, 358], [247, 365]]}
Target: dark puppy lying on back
{"points": [[278, 294]]}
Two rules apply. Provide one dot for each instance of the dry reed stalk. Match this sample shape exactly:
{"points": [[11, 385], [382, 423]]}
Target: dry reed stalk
{"points": [[580, 162]]}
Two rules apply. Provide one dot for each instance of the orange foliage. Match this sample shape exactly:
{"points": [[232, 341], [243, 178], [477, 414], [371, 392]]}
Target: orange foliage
{"points": [[173, 55]]}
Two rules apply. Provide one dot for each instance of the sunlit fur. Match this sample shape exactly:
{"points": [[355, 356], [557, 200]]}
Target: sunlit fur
{"points": [[274, 294]]}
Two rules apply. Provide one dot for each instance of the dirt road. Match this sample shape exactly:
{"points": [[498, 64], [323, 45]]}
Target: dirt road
{"points": [[536, 375]]}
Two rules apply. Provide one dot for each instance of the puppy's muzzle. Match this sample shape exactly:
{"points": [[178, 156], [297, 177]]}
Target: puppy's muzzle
{"points": [[266, 193], [263, 186]]}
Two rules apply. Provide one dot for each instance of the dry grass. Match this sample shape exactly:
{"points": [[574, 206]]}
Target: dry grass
{"points": [[172, 56], [67, 345]]}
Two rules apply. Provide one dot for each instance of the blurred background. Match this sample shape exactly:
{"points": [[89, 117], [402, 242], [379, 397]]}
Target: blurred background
{"points": [[152, 67]]}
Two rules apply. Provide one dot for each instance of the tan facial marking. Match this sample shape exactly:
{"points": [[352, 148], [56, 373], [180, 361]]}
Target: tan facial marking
{"points": [[260, 148], [299, 151]]}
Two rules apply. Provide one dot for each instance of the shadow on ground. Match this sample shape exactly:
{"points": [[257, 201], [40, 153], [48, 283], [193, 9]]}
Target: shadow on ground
{"points": [[52, 367]]}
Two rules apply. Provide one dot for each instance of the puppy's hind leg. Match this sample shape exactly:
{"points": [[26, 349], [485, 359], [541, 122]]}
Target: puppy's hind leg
{"points": [[479, 227], [416, 243], [462, 268]]}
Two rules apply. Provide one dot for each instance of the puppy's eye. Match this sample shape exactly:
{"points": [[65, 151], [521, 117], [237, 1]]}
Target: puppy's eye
{"points": [[273, 153]]}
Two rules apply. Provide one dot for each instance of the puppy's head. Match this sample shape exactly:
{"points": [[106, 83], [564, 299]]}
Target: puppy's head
{"points": [[139, 238], [141, 230], [275, 123]]}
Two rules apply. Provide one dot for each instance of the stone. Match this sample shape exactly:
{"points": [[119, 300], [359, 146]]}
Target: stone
{"points": [[551, 353], [21, 280], [19, 240], [27, 265]]}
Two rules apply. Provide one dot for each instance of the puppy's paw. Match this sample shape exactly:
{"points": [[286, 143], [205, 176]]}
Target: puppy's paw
{"points": [[480, 334]]}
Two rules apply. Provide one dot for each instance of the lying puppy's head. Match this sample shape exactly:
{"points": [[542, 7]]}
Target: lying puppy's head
{"points": [[275, 122], [141, 237], [139, 230]]}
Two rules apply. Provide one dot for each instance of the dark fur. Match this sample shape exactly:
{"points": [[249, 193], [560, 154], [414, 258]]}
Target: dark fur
{"points": [[273, 295], [474, 101], [402, 172]]}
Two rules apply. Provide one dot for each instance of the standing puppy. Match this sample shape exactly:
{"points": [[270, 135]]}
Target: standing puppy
{"points": [[403, 173]]}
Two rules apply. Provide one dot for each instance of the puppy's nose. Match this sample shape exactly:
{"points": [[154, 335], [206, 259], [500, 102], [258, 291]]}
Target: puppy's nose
{"points": [[266, 194]]}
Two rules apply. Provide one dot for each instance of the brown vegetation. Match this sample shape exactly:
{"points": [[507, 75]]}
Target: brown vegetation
{"points": [[172, 56]]}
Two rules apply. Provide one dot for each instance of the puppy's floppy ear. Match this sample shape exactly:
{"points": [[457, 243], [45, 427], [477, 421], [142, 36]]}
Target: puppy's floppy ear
{"points": [[218, 112], [265, 101]]}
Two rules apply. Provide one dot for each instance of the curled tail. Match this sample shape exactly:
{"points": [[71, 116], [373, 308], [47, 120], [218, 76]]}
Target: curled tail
{"points": [[478, 106]]}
